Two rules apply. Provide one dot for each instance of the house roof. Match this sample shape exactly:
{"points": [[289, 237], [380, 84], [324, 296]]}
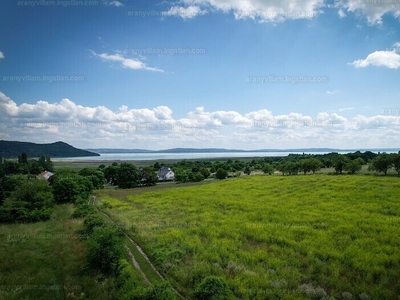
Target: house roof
{"points": [[45, 175], [163, 171]]}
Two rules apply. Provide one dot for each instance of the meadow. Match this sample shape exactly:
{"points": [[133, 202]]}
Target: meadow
{"points": [[47, 261], [271, 237]]}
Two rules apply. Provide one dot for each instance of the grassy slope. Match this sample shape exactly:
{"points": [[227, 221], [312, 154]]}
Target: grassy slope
{"points": [[267, 235], [46, 260]]}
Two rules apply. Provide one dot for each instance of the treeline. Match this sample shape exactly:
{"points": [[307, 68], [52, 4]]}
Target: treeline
{"points": [[127, 175], [25, 165], [24, 198]]}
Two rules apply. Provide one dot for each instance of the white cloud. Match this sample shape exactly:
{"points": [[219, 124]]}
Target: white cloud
{"points": [[345, 109], [157, 128], [1, 55], [115, 3], [341, 14], [129, 63], [185, 12], [333, 92], [263, 11], [374, 10], [388, 59]]}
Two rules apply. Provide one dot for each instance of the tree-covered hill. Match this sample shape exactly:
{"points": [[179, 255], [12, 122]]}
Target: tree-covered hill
{"points": [[11, 149]]}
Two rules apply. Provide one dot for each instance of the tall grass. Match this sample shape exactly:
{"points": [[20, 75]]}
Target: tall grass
{"points": [[296, 237], [46, 260]]}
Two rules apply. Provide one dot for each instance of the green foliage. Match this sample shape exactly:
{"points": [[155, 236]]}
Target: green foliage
{"points": [[11, 149], [212, 288], [354, 166], [381, 163], [95, 176], [105, 249], [158, 291], [339, 162], [310, 165], [205, 172], [328, 240], [70, 188], [268, 169], [110, 174], [396, 162], [148, 176], [221, 174], [128, 176], [181, 176], [83, 209], [92, 221], [30, 201], [247, 170], [44, 260]]}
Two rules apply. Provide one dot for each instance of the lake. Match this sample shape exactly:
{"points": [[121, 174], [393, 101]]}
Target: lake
{"points": [[179, 156]]}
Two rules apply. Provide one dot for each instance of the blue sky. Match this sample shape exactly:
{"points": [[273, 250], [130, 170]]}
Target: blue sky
{"points": [[245, 74]]}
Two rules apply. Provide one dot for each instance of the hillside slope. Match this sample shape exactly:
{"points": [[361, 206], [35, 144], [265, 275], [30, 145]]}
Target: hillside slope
{"points": [[11, 149]]}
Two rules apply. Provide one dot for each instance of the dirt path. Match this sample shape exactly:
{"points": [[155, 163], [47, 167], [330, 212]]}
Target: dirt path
{"points": [[134, 261]]}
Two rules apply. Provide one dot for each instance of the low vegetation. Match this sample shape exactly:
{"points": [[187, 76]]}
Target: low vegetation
{"points": [[270, 237]]}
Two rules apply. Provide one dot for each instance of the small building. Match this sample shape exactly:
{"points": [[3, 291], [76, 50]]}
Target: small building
{"points": [[165, 174], [45, 175]]}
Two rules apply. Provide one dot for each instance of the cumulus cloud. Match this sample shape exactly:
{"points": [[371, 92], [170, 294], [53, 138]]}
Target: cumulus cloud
{"points": [[1, 55], [262, 11], [388, 59], [374, 10], [157, 128], [129, 63], [279, 11]]}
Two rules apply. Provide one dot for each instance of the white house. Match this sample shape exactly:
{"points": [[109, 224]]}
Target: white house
{"points": [[165, 174]]}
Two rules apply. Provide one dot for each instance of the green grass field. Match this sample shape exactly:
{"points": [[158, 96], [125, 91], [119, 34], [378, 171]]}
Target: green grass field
{"points": [[272, 237], [46, 260]]}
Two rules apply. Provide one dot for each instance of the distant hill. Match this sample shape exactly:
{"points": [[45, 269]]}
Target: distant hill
{"points": [[207, 150], [11, 149], [223, 150]]}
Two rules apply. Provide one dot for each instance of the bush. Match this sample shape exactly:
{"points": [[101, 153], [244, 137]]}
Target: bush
{"points": [[221, 174], [92, 221], [105, 249], [213, 288], [82, 210]]}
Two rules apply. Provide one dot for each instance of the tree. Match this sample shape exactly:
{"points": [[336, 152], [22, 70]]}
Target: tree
{"points": [[23, 158], [70, 188], [305, 165], [221, 174], [247, 170], [339, 162], [181, 176], [268, 169], [128, 176], [148, 176], [205, 173], [110, 174], [315, 165], [95, 176], [381, 163], [396, 162], [354, 166], [105, 249], [31, 201]]}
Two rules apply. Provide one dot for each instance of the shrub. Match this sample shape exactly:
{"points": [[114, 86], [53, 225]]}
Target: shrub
{"points": [[92, 221], [105, 249], [221, 174], [212, 287]]}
